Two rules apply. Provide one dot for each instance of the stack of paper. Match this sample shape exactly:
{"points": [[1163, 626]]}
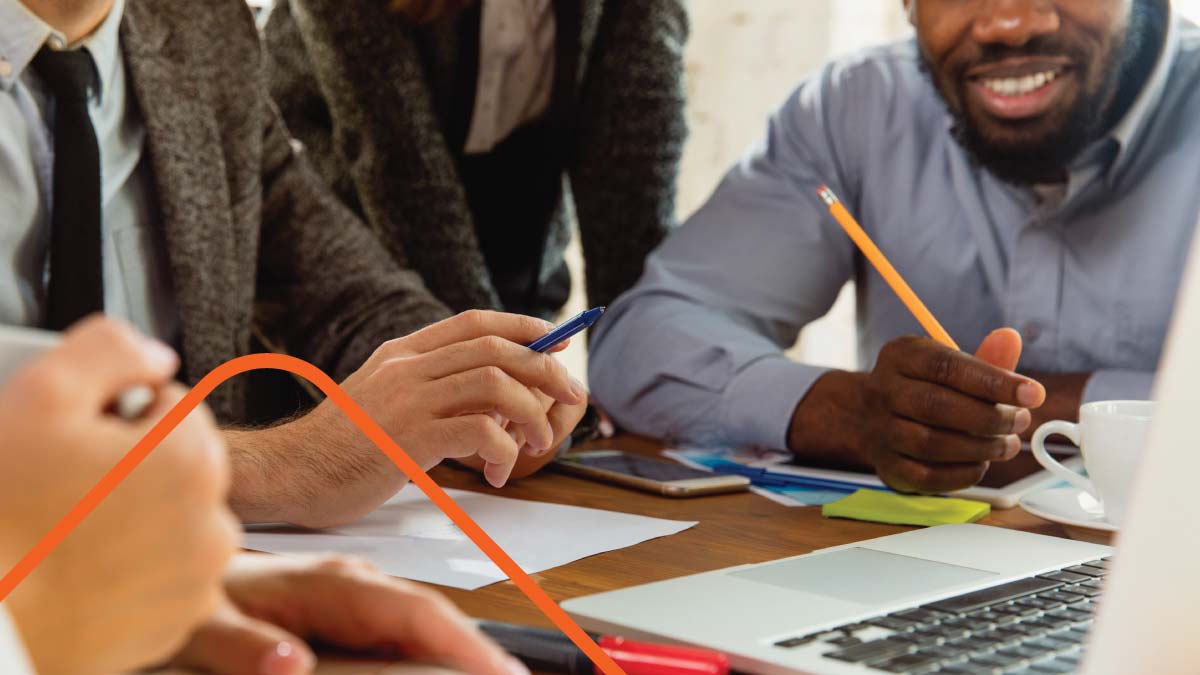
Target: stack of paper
{"points": [[410, 537]]}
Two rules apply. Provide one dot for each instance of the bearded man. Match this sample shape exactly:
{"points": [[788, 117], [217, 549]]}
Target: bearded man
{"points": [[1024, 163]]}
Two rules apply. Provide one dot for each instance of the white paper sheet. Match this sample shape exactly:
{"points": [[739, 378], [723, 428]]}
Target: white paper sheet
{"points": [[410, 537]]}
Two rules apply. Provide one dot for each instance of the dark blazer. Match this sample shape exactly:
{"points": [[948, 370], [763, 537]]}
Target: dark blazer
{"points": [[369, 95], [254, 239]]}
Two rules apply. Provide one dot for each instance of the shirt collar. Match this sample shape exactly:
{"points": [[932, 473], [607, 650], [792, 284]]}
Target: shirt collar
{"points": [[1126, 131], [104, 45], [22, 34]]}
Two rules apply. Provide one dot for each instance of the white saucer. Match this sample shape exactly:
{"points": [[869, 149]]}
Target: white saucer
{"points": [[1067, 506]]}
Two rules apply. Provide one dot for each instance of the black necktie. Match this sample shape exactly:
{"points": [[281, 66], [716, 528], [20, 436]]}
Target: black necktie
{"points": [[76, 286]]}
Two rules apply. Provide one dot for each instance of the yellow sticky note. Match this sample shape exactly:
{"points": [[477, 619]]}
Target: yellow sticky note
{"points": [[877, 506]]}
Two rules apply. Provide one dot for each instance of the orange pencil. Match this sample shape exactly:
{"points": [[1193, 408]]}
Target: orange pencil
{"points": [[889, 273]]}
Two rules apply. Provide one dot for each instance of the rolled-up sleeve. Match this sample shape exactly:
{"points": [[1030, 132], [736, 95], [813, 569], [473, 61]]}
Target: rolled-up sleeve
{"points": [[695, 352], [1119, 385]]}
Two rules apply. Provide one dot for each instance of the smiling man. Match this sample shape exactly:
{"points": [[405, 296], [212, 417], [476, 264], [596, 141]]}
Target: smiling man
{"points": [[1024, 163]]}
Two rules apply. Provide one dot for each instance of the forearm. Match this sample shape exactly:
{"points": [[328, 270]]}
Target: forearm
{"points": [[626, 165], [264, 485], [312, 471]]}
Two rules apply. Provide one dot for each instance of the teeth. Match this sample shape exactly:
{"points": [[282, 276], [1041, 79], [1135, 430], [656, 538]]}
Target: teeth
{"points": [[1020, 86]]}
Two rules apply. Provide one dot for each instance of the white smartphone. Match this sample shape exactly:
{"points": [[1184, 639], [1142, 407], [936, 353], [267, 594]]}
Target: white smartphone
{"points": [[648, 474]]}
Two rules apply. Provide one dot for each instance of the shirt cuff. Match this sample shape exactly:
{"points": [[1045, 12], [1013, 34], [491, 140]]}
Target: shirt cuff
{"points": [[13, 658], [1119, 385], [761, 400]]}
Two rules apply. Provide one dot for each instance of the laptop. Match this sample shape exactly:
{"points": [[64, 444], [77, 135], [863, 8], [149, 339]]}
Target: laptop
{"points": [[967, 599]]}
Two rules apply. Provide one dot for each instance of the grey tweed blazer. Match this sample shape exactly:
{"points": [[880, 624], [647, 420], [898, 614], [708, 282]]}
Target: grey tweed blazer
{"points": [[356, 86], [254, 239]]}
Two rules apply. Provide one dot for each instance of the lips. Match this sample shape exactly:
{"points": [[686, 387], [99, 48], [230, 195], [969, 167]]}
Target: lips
{"points": [[1020, 89]]}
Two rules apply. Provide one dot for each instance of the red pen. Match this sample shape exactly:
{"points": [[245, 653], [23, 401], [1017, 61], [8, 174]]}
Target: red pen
{"points": [[552, 651]]}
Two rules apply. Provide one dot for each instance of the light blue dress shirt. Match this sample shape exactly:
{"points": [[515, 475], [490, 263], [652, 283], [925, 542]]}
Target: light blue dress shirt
{"points": [[136, 279], [1088, 273]]}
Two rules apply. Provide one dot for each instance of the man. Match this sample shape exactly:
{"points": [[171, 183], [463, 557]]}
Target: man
{"points": [[145, 575], [1025, 163], [146, 173]]}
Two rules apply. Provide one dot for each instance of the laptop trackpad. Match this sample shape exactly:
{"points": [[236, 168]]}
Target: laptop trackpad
{"points": [[863, 575]]}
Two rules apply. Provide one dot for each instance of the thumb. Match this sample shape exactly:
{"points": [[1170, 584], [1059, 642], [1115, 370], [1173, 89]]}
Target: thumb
{"points": [[1001, 348], [231, 643]]}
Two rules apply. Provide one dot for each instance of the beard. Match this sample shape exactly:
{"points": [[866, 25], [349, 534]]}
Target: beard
{"points": [[1044, 158]]}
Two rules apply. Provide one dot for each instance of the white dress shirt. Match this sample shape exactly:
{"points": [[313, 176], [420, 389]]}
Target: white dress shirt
{"points": [[516, 69], [136, 281], [13, 660]]}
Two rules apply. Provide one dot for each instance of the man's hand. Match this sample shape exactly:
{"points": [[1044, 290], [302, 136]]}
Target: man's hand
{"points": [[442, 392], [142, 570], [340, 602], [927, 418], [1064, 395]]}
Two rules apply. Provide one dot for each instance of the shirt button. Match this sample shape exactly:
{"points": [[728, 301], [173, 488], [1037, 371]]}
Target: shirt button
{"points": [[5, 68], [1031, 331], [57, 43]]}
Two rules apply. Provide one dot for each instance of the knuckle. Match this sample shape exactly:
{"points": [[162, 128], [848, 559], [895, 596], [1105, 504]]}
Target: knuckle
{"points": [[492, 377], [943, 366], [390, 349], [930, 403], [477, 318], [45, 383], [919, 438], [493, 345]]}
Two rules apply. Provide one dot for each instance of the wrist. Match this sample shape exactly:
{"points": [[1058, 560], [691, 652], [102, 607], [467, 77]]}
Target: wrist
{"points": [[261, 473], [827, 423]]}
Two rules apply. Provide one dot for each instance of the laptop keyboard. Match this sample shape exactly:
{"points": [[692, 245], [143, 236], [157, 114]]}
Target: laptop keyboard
{"points": [[1034, 626]]}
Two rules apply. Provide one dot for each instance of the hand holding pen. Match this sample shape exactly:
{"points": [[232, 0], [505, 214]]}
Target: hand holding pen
{"points": [[927, 417], [531, 459]]}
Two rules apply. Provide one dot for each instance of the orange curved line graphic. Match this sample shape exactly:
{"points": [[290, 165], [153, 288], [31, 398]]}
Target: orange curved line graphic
{"points": [[368, 426]]}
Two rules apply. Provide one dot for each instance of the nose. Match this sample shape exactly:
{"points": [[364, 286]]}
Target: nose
{"points": [[1014, 22]]}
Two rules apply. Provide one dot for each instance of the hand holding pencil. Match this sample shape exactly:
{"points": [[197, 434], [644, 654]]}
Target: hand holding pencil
{"points": [[927, 417]]}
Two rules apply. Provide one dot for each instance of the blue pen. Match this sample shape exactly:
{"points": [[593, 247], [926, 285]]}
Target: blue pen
{"points": [[576, 324]]}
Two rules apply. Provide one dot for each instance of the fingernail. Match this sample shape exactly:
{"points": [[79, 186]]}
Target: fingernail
{"points": [[162, 355], [1029, 394], [515, 667], [545, 439], [579, 390], [286, 660], [1012, 445], [1021, 421], [495, 474], [607, 430]]}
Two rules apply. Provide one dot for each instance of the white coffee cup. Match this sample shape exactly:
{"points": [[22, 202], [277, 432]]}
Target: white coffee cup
{"points": [[1111, 436]]}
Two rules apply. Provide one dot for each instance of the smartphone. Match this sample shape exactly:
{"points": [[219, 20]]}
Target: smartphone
{"points": [[650, 475]]}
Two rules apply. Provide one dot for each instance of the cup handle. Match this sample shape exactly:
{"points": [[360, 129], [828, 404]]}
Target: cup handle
{"points": [[1052, 465]]}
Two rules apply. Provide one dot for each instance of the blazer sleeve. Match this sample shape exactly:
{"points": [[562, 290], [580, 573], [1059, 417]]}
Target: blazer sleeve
{"points": [[294, 87], [13, 659], [327, 290], [379, 120], [630, 139]]}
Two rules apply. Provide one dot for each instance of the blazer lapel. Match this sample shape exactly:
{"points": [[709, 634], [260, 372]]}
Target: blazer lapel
{"points": [[184, 147]]}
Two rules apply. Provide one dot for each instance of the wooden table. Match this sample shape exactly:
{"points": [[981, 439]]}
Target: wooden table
{"points": [[733, 530]]}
